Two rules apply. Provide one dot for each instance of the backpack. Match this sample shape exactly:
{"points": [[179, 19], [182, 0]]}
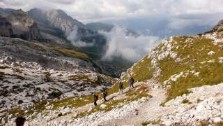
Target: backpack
{"points": [[95, 97]]}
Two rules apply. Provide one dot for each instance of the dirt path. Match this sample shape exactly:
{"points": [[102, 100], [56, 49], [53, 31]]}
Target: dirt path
{"points": [[147, 111], [87, 107]]}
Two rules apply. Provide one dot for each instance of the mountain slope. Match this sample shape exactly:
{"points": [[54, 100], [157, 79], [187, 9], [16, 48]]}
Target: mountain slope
{"points": [[187, 70], [33, 74], [57, 26], [55, 18], [183, 62]]}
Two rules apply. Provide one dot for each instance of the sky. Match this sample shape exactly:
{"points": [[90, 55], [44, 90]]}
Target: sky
{"points": [[97, 10], [140, 15], [154, 19]]}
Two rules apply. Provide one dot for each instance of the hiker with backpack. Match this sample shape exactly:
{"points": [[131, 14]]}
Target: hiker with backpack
{"points": [[104, 94], [121, 87], [95, 99], [131, 82], [20, 121]]}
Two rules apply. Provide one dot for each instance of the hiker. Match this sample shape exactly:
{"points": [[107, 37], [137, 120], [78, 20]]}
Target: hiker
{"points": [[104, 94], [120, 85], [95, 99], [131, 82], [20, 121]]}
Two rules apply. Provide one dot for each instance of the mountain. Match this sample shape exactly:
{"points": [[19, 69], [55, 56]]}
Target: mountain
{"points": [[55, 18], [54, 24], [32, 72], [57, 26], [19, 24], [184, 62], [100, 26], [6, 27], [179, 82]]}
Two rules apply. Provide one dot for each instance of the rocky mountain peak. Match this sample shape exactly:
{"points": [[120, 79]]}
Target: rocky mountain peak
{"points": [[5, 27], [19, 24], [217, 31], [56, 18], [219, 26]]}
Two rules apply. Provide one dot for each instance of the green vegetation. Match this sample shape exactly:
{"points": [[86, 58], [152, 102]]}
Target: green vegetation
{"points": [[133, 95], [143, 70], [98, 80], [115, 88], [40, 107], [207, 123], [80, 77], [195, 58], [186, 101], [151, 122], [198, 66], [1, 74], [72, 102], [72, 53], [4, 67]]}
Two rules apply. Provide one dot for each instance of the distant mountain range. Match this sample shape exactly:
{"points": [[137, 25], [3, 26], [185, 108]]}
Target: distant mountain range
{"points": [[97, 26], [55, 27], [16, 23]]}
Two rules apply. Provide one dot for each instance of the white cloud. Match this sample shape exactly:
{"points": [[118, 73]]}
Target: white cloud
{"points": [[106, 9], [74, 39], [2, 5], [110, 10], [129, 47]]}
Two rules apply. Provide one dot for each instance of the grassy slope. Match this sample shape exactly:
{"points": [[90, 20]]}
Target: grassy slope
{"points": [[194, 58]]}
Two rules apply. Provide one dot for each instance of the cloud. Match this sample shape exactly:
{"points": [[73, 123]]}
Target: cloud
{"points": [[173, 12], [2, 5], [128, 47], [187, 20], [74, 39], [86, 10]]}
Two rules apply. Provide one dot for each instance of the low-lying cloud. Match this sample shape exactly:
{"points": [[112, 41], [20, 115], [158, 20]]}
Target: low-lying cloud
{"points": [[127, 46], [74, 39]]}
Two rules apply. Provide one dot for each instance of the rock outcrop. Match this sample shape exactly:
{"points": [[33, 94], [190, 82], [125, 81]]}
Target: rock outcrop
{"points": [[19, 25], [219, 26], [5, 27], [55, 18]]}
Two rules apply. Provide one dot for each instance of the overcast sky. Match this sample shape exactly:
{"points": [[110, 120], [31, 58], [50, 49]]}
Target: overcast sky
{"points": [[156, 19], [86, 10], [137, 14]]}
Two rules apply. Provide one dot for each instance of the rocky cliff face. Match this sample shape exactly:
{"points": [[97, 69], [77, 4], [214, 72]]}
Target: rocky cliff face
{"points": [[5, 27], [57, 25], [219, 26], [23, 26], [55, 18]]}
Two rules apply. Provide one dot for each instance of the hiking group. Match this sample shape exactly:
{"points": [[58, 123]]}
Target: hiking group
{"points": [[21, 120], [120, 86]]}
